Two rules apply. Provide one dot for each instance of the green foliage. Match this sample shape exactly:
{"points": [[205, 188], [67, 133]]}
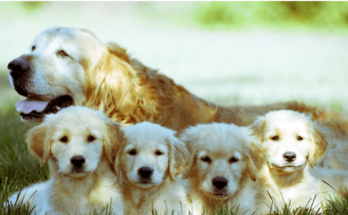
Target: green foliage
{"points": [[312, 14]]}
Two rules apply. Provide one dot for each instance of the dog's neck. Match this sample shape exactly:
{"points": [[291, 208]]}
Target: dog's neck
{"points": [[138, 195], [78, 189], [208, 204], [282, 179]]}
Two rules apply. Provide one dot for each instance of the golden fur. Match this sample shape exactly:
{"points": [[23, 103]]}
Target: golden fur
{"points": [[297, 178], [104, 77], [229, 153], [74, 132], [148, 145]]}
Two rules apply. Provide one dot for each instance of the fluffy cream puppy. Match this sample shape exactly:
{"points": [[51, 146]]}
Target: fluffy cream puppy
{"points": [[295, 145], [148, 165], [77, 143], [223, 169]]}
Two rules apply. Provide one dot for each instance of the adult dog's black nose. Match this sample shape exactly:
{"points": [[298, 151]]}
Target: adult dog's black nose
{"points": [[77, 161], [145, 172], [289, 156], [18, 66], [220, 182]]}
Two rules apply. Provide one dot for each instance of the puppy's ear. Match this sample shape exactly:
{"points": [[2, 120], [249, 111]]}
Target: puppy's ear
{"points": [[178, 156], [190, 137], [318, 144], [113, 140], [190, 166], [258, 127], [39, 143], [257, 153], [117, 164], [112, 85]]}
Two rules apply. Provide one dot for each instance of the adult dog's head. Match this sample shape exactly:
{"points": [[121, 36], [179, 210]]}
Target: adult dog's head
{"points": [[292, 140], [149, 155], [74, 140], [69, 66], [223, 157]]}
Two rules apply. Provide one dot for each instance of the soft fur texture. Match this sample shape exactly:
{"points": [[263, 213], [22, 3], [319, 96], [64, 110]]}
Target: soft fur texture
{"points": [[73, 62], [224, 153], [295, 146], [150, 147], [61, 138]]}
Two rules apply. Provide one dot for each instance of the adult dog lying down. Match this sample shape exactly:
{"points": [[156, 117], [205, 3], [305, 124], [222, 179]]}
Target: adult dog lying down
{"points": [[69, 66], [78, 144]]}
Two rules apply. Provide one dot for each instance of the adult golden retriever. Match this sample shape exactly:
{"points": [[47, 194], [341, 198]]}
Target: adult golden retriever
{"points": [[296, 147], [148, 165], [223, 169], [77, 143], [69, 66]]}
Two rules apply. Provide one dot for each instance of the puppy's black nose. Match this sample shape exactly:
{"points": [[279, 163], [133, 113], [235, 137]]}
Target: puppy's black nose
{"points": [[77, 161], [220, 182], [289, 156], [18, 66], [145, 171]]}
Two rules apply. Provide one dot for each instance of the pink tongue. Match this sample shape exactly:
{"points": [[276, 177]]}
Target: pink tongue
{"points": [[28, 105]]}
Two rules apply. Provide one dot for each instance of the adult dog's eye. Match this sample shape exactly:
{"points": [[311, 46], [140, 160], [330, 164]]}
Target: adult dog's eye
{"points": [[299, 138], [234, 160], [62, 53], [205, 159], [132, 152], [90, 138], [275, 138], [64, 139], [158, 152], [33, 48]]}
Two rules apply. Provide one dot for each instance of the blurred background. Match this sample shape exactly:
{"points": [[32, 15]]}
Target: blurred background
{"points": [[225, 52]]}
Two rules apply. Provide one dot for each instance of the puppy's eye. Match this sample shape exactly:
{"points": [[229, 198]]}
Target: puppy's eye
{"points": [[205, 159], [33, 48], [132, 152], [299, 138], [64, 139], [62, 53], [90, 138], [158, 152], [234, 160], [275, 138]]}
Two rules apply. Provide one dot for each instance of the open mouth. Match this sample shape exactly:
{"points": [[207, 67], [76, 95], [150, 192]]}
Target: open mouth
{"points": [[35, 110]]}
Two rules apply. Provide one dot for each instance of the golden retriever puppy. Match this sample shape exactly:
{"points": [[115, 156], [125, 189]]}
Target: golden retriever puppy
{"points": [[295, 146], [223, 169], [70, 66], [77, 143], [148, 165]]}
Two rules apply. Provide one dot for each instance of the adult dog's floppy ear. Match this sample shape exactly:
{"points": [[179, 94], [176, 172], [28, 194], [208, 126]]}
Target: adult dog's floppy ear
{"points": [[113, 139], [112, 87], [318, 144], [39, 143], [178, 156]]}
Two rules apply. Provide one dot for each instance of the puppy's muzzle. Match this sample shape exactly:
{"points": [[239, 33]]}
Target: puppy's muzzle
{"points": [[77, 161], [220, 182], [289, 156], [18, 67], [145, 172]]}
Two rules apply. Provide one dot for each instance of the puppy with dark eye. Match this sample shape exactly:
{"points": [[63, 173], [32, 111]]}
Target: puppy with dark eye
{"points": [[295, 147], [223, 169], [148, 164], [78, 144]]}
